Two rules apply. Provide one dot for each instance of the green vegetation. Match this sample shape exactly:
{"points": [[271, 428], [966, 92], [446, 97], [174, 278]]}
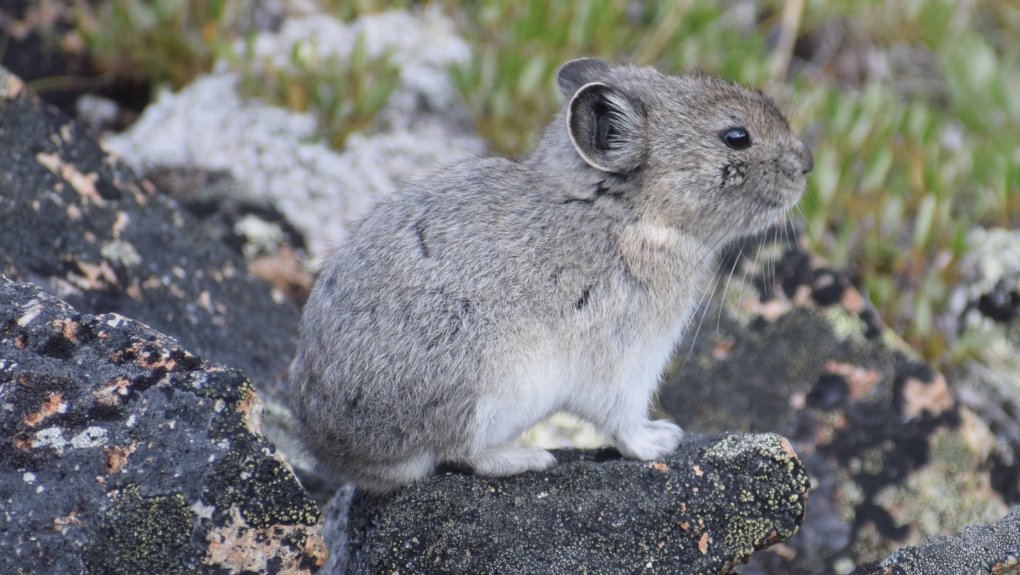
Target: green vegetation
{"points": [[345, 94], [163, 41], [910, 106]]}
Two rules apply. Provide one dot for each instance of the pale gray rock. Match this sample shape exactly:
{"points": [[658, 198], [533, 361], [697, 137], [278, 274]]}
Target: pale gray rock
{"points": [[276, 154]]}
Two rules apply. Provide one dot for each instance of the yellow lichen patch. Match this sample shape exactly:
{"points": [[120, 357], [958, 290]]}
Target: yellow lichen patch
{"points": [[238, 547], [934, 397], [84, 184], [54, 403], [744, 535], [861, 380], [563, 430], [846, 326]]}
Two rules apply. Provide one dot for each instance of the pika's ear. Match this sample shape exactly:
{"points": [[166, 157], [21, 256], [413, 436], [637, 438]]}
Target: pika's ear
{"points": [[606, 128], [577, 73]]}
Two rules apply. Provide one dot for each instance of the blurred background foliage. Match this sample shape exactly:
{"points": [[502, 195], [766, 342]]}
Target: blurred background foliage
{"points": [[912, 107]]}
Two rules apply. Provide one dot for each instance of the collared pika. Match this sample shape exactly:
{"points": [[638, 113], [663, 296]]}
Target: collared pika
{"points": [[467, 307]]}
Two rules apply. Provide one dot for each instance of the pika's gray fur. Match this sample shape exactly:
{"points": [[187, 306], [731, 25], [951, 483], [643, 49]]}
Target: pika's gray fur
{"points": [[468, 307]]}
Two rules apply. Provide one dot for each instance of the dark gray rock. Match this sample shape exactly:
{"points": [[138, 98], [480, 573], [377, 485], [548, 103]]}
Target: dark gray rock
{"points": [[704, 509], [79, 223], [993, 549], [121, 452], [893, 455]]}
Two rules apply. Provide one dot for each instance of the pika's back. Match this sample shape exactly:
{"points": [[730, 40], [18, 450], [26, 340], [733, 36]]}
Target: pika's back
{"points": [[398, 336]]}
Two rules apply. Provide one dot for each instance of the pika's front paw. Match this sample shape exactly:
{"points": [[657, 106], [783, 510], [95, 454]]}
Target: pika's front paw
{"points": [[650, 440]]}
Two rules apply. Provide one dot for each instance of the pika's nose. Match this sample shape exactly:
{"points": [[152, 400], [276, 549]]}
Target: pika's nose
{"points": [[807, 161]]}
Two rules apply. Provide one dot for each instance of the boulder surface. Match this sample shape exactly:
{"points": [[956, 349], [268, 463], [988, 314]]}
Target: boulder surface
{"points": [[703, 509], [121, 452]]}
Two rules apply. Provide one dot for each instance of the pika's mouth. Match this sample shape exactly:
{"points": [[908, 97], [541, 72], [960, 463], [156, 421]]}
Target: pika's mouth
{"points": [[782, 197]]}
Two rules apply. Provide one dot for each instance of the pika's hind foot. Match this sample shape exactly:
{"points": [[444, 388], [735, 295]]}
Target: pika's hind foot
{"points": [[650, 440], [504, 460]]}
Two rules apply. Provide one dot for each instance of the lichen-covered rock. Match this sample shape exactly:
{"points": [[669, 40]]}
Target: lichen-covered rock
{"points": [[993, 549], [79, 223], [120, 452], [988, 327], [703, 509], [892, 454]]}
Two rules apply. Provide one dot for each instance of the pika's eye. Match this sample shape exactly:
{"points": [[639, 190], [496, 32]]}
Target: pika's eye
{"points": [[736, 138]]}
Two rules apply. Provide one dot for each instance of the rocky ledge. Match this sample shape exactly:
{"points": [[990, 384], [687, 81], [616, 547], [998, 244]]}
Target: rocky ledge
{"points": [[703, 509], [120, 452]]}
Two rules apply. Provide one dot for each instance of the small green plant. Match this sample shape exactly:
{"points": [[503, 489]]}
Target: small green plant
{"points": [[344, 94], [902, 172], [348, 10], [520, 44], [158, 41]]}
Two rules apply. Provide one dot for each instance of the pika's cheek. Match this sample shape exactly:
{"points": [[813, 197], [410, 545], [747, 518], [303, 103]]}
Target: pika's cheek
{"points": [[732, 174]]}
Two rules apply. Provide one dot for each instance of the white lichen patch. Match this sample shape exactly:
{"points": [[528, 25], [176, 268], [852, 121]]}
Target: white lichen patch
{"points": [[262, 237], [121, 252], [91, 437], [53, 437], [33, 309]]}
